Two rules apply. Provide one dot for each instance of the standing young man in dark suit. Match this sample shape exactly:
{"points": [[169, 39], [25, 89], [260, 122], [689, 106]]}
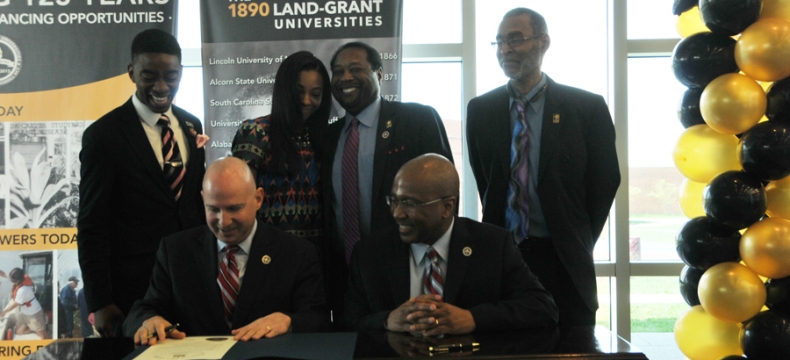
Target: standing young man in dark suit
{"points": [[543, 155], [235, 276], [435, 273], [364, 150], [141, 172]]}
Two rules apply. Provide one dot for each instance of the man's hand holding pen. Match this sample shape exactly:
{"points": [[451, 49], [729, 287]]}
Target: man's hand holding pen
{"points": [[156, 329]]}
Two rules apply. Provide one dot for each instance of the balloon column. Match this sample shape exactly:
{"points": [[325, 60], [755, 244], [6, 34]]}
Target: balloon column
{"points": [[735, 155]]}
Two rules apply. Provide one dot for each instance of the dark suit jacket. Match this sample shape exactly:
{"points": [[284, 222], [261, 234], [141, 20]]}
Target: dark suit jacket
{"points": [[126, 206], [493, 282], [184, 286], [414, 129], [578, 174]]}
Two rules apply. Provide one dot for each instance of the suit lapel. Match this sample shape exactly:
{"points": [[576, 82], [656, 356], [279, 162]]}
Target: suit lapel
{"points": [[255, 274], [399, 277], [190, 134], [500, 141], [134, 134], [330, 147], [550, 143], [207, 260], [387, 123], [457, 262]]}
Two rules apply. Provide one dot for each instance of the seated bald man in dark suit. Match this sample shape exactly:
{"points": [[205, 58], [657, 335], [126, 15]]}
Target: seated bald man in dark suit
{"points": [[436, 273], [235, 276]]}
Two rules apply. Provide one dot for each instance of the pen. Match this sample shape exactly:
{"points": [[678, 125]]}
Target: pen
{"points": [[167, 330], [451, 347]]}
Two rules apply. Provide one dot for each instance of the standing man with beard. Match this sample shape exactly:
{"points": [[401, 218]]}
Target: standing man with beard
{"points": [[142, 168], [365, 149], [543, 155]]}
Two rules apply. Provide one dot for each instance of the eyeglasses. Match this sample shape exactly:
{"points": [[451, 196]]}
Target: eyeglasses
{"points": [[513, 41], [408, 205]]}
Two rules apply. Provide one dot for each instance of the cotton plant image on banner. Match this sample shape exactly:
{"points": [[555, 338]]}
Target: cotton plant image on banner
{"points": [[734, 57]]}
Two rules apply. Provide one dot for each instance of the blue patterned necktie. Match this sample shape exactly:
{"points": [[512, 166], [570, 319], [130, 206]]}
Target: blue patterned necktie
{"points": [[518, 199]]}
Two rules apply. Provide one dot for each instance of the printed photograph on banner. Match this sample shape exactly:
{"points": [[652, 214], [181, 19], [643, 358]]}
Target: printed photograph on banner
{"points": [[26, 295], [239, 80], [74, 320], [43, 172]]}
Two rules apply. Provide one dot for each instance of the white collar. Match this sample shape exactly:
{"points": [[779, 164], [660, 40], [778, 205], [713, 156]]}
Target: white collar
{"points": [[245, 245], [442, 246]]}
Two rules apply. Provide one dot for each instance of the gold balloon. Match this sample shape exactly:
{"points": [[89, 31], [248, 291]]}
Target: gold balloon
{"points": [[765, 247], [691, 198], [702, 153], [763, 49], [731, 292], [778, 193], [776, 9], [690, 22], [701, 336], [732, 103]]}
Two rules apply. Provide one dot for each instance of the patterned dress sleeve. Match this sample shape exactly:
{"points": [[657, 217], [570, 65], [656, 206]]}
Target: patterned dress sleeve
{"points": [[251, 142]]}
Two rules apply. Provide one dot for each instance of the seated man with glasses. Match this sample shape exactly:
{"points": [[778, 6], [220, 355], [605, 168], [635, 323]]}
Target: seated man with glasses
{"points": [[436, 273]]}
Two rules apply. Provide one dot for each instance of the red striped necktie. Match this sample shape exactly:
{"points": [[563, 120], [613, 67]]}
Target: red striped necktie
{"points": [[350, 168], [173, 167], [228, 280], [432, 283]]}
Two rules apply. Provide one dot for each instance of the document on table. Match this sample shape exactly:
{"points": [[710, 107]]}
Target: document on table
{"points": [[189, 348]]}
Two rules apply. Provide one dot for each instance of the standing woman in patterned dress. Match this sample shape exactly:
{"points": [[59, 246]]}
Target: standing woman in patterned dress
{"points": [[280, 148]]}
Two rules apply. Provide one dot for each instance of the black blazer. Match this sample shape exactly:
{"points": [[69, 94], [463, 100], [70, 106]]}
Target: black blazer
{"points": [[127, 207], [493, 282], [578, 173], [184, 286], [412, 130]]}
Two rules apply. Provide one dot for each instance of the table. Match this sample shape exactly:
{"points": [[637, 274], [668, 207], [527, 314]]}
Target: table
{"points": [[578, 343]]}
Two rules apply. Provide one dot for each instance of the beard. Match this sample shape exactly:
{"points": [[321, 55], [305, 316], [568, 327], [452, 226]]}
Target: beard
{"points": [[529, 63]]}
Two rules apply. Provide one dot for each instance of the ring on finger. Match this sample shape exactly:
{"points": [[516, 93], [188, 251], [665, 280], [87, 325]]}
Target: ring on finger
{"points": [[437, 322], [268, 328]]}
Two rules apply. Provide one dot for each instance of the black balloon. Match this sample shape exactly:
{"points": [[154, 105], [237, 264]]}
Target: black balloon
{"points": [[689, 283], [702, 57], [688, 111], [735, 199], [765, 151], [778, 96], [733, 357], [729, 17], [766, 336], [778, 295], [681, 6], [703, 243]]}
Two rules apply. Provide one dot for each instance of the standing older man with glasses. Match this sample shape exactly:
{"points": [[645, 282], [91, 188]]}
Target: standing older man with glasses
{"points": [[436, 273], [543, 155]]}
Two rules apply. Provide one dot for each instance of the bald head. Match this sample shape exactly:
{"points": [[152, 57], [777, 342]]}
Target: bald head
{"points": [[423, 199], [228, 170], [231, 198], [433, 171]]}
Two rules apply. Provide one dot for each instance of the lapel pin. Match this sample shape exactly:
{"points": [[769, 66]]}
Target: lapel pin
{"points": [[333, 120], [266, 259], [385, 134], [389, 124], [556, 119], [467, 251]]}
